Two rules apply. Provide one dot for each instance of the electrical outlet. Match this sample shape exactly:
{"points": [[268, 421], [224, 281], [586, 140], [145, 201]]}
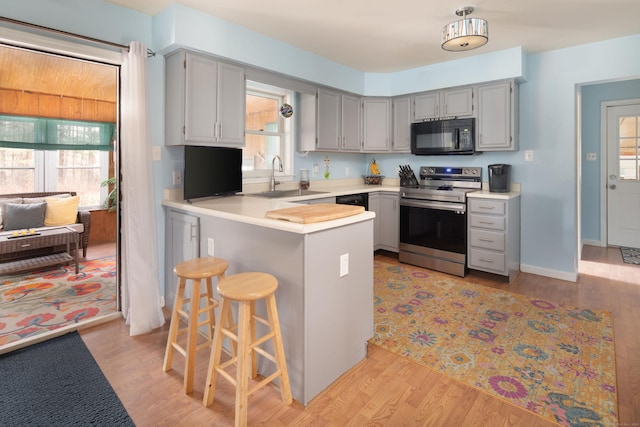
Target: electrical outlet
{"points": [[344, 265], [592, 156], [156, 153], [210, 247], [528, 156], [177, 177], [346, 171]]}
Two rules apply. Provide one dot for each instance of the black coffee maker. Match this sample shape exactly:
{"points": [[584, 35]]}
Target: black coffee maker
{"points": [[499, 178]]}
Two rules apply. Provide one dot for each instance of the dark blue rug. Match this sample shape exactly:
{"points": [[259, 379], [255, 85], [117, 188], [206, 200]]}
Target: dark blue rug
{"points": [[57, 383]]}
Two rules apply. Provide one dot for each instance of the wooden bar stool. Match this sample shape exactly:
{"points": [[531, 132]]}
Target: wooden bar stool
{"points": [[246, 289], [194, 270]]}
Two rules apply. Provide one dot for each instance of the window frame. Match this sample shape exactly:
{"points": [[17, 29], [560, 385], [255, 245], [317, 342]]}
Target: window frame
{"points": [[45, 168], [285, 132]]}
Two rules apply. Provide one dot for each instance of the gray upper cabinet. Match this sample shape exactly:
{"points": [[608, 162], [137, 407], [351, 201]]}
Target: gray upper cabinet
{"points": [[338, 121], [205, 101], [376, 126], [401, 141], [456, 102], [497, 126]]}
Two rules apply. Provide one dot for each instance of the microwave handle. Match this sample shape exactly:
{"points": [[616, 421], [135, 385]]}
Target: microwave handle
{"points": [[456, 138]]}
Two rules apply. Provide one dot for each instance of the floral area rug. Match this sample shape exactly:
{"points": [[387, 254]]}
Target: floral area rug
{"points": [[41, 301], [553, 360], [630, 255]]}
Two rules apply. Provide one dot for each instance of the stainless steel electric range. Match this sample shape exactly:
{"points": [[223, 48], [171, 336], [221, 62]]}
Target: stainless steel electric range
{"points": [[433, 218]]}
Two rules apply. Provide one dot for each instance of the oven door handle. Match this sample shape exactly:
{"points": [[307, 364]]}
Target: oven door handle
{"points": [[427, 204]]}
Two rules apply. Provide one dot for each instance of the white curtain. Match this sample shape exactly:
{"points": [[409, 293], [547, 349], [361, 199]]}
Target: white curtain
{"points": [[140, 285]]}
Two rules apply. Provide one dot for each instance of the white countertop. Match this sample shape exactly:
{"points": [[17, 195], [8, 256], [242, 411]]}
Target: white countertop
{"points": [[486, 194], [252, 210]]}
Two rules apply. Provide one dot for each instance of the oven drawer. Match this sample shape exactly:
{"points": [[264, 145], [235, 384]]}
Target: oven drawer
{"points": [[487, 240], [486, 221], [487, 261]]}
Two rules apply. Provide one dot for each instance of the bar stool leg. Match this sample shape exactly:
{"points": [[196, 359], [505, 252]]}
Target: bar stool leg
{"points": [[211, 322], [254, 354], [245, 321], [216, 352], [174, 325], [192, 337], [274, 323]]}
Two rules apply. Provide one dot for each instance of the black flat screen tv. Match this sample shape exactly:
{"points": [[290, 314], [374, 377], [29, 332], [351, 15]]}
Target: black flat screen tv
{"points": [[211, 171]]}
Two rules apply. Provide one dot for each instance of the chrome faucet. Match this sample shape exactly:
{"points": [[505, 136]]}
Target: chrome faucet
{"points": [[273, 183]]}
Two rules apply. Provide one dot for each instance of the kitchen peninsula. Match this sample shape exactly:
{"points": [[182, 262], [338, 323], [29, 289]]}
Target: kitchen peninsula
{"points": [[325, 304]]}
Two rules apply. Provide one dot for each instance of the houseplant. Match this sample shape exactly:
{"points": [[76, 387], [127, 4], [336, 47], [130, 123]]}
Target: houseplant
{"points": [[110, 201]]}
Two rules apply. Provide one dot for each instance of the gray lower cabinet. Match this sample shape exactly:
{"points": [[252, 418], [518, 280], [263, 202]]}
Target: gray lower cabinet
{"points": [[494, 236], [182, 242], [387, 221], [316, 201], [374, 206]]}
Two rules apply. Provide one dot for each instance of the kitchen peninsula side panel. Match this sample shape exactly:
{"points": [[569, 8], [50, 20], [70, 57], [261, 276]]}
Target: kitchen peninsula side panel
{"points": [[311, 297]]}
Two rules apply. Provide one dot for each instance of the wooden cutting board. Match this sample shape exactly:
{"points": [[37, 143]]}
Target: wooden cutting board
{"points": [[308, 214]]}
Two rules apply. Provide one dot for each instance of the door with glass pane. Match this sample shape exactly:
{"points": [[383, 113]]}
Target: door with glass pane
{"points": [[623, 175]]}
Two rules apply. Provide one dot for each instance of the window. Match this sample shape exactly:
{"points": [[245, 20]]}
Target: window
{"points": [[55, 155], [629, 131], [267, 132]]}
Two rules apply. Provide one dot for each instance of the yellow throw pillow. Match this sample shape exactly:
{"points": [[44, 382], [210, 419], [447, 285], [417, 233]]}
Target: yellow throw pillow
{"points": [[61, 210]]}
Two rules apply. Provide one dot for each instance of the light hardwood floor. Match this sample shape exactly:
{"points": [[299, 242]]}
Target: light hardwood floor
{"points": [[383, 389]]}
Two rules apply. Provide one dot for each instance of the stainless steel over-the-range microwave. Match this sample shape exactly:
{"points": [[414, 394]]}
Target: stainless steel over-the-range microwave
{"points": [[451, 136]]}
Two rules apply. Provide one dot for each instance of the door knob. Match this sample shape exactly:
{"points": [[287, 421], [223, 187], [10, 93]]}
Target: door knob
{"points": [[612, 186], [612, 177]]}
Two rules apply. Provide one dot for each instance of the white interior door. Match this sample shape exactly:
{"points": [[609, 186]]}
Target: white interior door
{"points": [[623, 175]]}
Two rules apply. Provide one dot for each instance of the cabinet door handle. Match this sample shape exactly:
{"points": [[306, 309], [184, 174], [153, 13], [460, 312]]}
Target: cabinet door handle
{"points": [[487, 207], [485, 260], [485, 240], [486, 222]]}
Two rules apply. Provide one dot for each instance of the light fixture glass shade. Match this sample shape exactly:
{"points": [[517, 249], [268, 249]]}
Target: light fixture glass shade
{"points": [[465, 34]]}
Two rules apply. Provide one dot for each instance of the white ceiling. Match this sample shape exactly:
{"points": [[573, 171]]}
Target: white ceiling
{"points": [[394, 35]]}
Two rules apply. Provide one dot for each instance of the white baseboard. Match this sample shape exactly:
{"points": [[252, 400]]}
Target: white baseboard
{"points": [[555, 274], [594, 243]]}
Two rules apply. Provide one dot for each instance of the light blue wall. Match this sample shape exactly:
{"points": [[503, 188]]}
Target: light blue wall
{"points": [[182, 26], [548, 122], [592, 98], [504, 64], [547, 103]]}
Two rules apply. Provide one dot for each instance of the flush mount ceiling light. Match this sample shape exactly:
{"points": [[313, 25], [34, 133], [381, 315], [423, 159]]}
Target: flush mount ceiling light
{"points": [[466, 33]]}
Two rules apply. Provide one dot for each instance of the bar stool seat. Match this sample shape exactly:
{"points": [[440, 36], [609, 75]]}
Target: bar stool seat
{"points": [[245, 289], [194, 270]]}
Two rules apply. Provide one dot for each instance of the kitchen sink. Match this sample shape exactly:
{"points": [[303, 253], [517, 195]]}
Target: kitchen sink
{"points": [[286, 193]]}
